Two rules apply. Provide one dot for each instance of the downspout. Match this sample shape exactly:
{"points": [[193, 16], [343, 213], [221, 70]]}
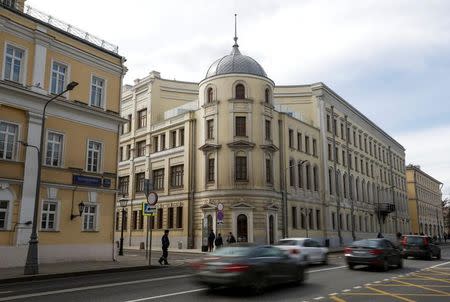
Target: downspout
{"points": [[336, 180], [393, 190], [283, 178], [417, 203], [192, 150], [352, 204]]}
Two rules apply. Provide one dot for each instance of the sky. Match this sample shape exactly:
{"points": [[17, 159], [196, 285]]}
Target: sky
{"points": [[389, 59]]}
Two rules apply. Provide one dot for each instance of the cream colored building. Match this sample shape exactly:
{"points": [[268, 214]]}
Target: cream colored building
{"points": [[261, 151], [39, 57], [425, 202]]}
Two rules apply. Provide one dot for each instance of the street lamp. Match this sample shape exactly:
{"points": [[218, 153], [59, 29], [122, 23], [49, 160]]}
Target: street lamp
{"points": [[123, 203], [32, 265], [80, 210]]}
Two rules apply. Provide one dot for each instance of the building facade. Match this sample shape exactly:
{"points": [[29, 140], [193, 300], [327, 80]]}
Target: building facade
{"points": [[263, 153], [39, 57], [425, 202]]}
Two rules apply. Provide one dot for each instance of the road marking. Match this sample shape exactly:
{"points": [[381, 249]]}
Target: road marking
{"points": [[423, 287], [327, 269], [346, 290], [337, 299], [377, 282], [76, 289], [357, 287], [438, 272], [318, 298], [168, 295], [389, 294], [430, 278], [386, 279], [332, 294], [441, 264], [6, 292]]}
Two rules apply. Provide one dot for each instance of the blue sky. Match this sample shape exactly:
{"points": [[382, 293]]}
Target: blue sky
{"points": [[390, 59]]}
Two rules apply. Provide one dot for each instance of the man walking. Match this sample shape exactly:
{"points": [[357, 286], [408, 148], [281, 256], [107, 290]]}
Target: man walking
{"points": [[231, 239], [219, 241], [211, 238], [165, 243]]}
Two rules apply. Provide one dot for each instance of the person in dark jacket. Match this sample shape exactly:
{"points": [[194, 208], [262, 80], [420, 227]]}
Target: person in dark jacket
{"points": [[380, 235], [219, 241], [211, 238], [165, 243], [231, 238]]}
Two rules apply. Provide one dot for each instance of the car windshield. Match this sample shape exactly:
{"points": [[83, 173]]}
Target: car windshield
{"points": [[288, 242], [366, 243], [232, 251], [414, 240]]}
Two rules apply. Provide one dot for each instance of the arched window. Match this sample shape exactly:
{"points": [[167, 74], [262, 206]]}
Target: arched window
{"points": [[240, 91], [210, 95], [344, 180], [267, 95], [242, 230]]}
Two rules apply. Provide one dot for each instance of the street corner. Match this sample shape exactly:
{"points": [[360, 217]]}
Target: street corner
{"points": [[430, 284]]}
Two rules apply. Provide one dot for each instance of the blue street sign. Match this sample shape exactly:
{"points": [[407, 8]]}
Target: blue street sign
{"points": [[148, 210]]}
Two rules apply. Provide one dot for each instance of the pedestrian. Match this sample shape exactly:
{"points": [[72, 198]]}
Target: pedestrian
{"points": [[219, 241], [231, 239], [380, 235], [445, 237], [165, 243], [211, 238]]}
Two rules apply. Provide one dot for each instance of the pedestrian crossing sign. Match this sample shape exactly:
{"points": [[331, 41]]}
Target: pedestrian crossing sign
{"points": [[148, 210]]}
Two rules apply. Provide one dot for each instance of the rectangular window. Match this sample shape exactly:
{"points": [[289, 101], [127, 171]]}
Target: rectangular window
{"points": [[307, 145], [118, 221], [365, 145], [8, 139], [134, 220], [160, 218], [241, 168], [328, 123], [268, 129], [94, 156], [182, 137], [158, 179], [310, 219], [14, 63], [294, 218], [140, 179], [348, 135], [123, 184], [240, 122], [54, 149], [176, 176], [336, 153], [291, 173], [89, 218], [314, 142], [173, 139], [354, 137], [330, 154], [128, 152], [342, 131], [333, 220], [179, 217], [142, 118], [360, 142], [141, 220], [170, 218], [299, 142], [130, 118], [302, 218], [59, 72], [291, 138], [163, 142], [318, 219], [121, 154], [140, 148], [268, 170], [3, 213], [97, 91], [155, 144], [211, 168], [210, 129], [344, 162], [48, 215]]}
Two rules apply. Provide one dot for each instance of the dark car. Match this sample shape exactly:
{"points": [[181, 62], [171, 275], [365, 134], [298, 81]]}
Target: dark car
{"points": [[244, 265], [420, 247], [379, 253]]}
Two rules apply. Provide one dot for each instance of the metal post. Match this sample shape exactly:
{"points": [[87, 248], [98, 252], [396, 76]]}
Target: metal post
{"points": [[146, 237], [121, 233], [150, 247]]}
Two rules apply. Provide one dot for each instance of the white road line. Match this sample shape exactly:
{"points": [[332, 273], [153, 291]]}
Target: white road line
{"points": [[168, 295], [437, 265], [368, 284], [76, 289], [386, 279], [346, 290], [377, 282], [6, 292], [357, 287], [327, 269], [318, 298], [332, 294]]}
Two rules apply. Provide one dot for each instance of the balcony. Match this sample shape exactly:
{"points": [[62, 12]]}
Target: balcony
{"points": [[29, 11], [385, 208]]}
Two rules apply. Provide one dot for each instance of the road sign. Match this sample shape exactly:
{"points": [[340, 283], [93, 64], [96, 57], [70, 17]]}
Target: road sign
{"points": [[220, 216], [220, 207], [148, 210], [152, 198]]}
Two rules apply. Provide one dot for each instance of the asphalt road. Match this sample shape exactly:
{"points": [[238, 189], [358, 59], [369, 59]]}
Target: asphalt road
{"points": [[334, 282]]}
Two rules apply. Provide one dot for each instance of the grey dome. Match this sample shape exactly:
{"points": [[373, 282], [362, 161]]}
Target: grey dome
{"points": [[235, 62]]}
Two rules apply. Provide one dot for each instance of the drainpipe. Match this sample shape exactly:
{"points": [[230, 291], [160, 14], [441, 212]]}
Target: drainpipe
{"points": [[192, 138], [417, 203], [393, 189], [336, 180], [283, 179], [352, 209]]}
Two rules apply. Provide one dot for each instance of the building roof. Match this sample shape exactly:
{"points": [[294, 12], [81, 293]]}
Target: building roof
{"points": [[417, 168]]}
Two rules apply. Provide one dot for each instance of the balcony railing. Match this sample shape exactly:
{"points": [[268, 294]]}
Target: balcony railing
{"points": [[385, 208], [59, 24]]}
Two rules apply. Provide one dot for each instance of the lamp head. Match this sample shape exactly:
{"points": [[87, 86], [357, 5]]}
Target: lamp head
{"points": [[71, 85], [123, 202], [81, 207]]}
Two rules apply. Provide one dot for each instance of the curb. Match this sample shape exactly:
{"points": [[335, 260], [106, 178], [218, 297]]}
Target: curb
{"points": [[79, 273]]}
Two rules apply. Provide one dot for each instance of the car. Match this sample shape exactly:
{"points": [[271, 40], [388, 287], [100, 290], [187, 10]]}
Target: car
{"points": [[247, 265], [379, 253], [304, 250], [420, 247]]}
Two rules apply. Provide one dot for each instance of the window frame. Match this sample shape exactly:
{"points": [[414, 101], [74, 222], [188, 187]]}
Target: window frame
{"points": [[210, 129], [93, 215], [103, 96], [160, 177], [66, 77], [100, 162], [48, 212], [15, 145], [140, 148], [142, 118], [139, 183], [23, 67], [8, 213], [177, 177], [240, 128], [211, 169], [239, 169], [61, 155]]}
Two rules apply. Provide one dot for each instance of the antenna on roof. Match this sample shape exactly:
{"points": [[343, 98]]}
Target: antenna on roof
{"points": [[235, 31]]}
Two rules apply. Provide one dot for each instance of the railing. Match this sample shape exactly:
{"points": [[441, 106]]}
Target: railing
{"points": [[73, 30], [386, 207]]}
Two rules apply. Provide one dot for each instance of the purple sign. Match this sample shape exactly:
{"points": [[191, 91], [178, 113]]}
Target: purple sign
{"points": [[220, 216]]}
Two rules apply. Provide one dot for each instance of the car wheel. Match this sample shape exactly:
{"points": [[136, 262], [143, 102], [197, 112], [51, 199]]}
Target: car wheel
{"points": [[351, 266], [429, 256], [400, 262], [385, 266], [439, 255], [325, 259]]}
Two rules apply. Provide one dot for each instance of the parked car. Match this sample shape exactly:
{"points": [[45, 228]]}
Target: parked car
{"points": [[246, 265], [305, 250], [380, 253], [420, 246]]}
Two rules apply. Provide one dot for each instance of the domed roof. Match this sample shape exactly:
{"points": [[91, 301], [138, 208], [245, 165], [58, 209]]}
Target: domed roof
{"points": [[235, 62]]}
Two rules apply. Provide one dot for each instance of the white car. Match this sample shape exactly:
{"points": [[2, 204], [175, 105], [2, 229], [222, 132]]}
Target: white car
{"points": [[306, 250]]}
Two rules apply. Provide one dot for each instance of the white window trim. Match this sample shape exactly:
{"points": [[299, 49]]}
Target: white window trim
{"points": [[102, 154], [8, 216], [247, 91], [67, 79], [96, 218], [23, 75], [104, 96], [17, 147], [63, 148], [57, 213]]}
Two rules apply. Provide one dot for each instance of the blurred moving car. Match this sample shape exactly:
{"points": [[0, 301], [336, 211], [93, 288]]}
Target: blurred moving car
{"points": [[246, 265], [380, 253], [420, 247], [304, 250]]}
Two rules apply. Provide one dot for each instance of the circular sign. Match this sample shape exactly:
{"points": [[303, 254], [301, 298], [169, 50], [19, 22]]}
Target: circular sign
{"points": [[152, 198], [220, 207], [220, 215]]}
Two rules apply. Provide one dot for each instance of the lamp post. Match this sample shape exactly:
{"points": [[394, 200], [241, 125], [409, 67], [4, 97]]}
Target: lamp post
{"points": [[80, 211], [32, 265], [123, 203]]}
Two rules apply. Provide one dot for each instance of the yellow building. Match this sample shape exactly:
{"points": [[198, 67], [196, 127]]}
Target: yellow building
{"points": [[39, 57], [425, 202]]}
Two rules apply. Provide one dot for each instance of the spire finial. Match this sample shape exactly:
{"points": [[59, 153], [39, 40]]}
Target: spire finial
{"points": [[235, 31]]}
